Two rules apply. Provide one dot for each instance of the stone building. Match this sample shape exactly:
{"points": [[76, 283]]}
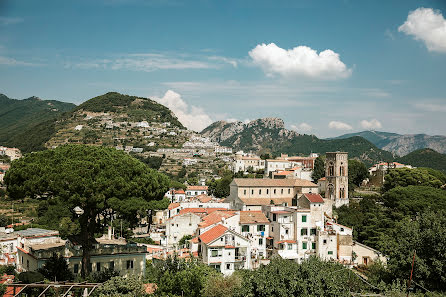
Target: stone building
{"points": [[336, 173]]}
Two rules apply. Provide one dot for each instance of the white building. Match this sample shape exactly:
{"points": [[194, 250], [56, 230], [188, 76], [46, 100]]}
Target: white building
{"points": [[196, 190], [224, 249], [247, 163], [254, 225], [181, 225]]}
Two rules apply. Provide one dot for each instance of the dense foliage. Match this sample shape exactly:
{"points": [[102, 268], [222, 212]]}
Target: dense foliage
{"points": [[425, 158], [56, 269], [100, 181], [403, 177], [357, 172], [220, 187], [17, 116], [319, 168], [118, 286]]}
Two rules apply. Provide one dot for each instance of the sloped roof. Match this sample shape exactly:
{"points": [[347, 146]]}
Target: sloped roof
{"points": [[197, 188], [173, 205], [253, 217], [314, 198], [200, 210], [203, 198], [213, 234], [215, 217]]}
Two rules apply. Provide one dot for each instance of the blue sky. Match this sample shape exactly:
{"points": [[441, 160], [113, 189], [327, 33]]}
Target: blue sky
{"points": [[325, 67]]}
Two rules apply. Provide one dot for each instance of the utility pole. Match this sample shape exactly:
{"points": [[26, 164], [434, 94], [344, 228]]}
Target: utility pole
{"points": [[411, 273]]}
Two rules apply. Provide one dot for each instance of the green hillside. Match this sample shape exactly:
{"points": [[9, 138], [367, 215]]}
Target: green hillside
{"points": [[425, 158], [18, 116]]}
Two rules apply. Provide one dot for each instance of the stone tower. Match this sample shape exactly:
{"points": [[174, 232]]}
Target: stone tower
{"points": [[336, 173]]}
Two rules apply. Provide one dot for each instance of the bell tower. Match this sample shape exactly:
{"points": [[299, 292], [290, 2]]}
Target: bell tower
{"points": [[336, 173]]}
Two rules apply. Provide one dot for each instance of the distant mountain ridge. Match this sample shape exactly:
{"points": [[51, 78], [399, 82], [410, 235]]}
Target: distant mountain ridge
{"points": [[401, 144], [425, 158], [18, 116], [269, 135]]}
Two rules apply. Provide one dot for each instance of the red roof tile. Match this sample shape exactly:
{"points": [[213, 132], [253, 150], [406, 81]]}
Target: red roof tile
{"points": [[253, 217], [286, 241], [197, 188], [314, 198], [213, 234], [200, 210], [173, 205]]}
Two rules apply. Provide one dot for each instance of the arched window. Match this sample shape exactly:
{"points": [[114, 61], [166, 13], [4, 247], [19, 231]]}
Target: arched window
{"points": [[342, 170], [331, 169], [331, 192]]}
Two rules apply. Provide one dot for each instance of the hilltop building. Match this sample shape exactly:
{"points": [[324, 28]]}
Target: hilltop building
{"points": [[336, 174]]}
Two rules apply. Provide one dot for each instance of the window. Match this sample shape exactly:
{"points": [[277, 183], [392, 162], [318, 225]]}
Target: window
{"points": [[303, 231], [216, 253], [76, 268], [260, 227], [286, 231], [173, 225], [27, 264], [111, 266], [267, 191], [274, 217], [304, 219], [274, 191], [330, 252], [260, 241], [342, 229], [304, 245], [313, 231], [129, 264], [289, 191], [98, 266], [228, 266], [313, 245], [244, 192], [260, 192], [342, 193], [331, 170], [245, 228], [325, 241], [281, 191], [290, 246], [252, 192]]}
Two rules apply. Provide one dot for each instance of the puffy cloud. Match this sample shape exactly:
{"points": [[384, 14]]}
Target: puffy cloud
{"points": [[299, 61], [303, 127], [10, 20], [427, 25], [194, 118], [339, 125], [373, 124]]}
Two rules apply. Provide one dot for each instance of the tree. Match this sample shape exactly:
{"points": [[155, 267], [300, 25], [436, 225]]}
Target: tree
{"points": [[319, 168], [119, 286], [403, 177], [426, 235], [221, 286], [184, 240], [357, 172], [87, 185], [56, 269]]}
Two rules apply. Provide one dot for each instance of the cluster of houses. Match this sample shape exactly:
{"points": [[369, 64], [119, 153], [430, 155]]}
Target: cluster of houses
{"points": [[296, 167], [12, 154], [259, 220]]}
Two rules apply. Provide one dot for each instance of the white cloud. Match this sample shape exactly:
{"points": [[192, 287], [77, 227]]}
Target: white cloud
{"points": [[299, 61], [373, 124], [427, 25], [148, 62], [13, 62], [303, 127], [193, 117], [339, 125], [431, 107], [10, 20]]}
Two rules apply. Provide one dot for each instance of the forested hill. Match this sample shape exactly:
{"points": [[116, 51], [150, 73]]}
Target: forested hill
{"points": [[17, 116], [269, 135], [401, 144], [425, 158], [111, 119]]}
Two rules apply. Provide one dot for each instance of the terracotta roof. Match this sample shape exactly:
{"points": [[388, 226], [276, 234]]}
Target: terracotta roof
{"points": [[266, 201], [216, 217], [286, 241], [266, 182], [197, 188], [194, 240], [181, 191], [314, 198], [213, 234], [253, 217], [173, 205], [200, 210], [203, 198], [284, 172], [229, 247], [322, 178]]}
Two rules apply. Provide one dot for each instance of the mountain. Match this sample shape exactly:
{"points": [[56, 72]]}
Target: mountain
{"points": [[17, 116], [401, 144], [269, 135], [119, 120], [425, 158]]}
